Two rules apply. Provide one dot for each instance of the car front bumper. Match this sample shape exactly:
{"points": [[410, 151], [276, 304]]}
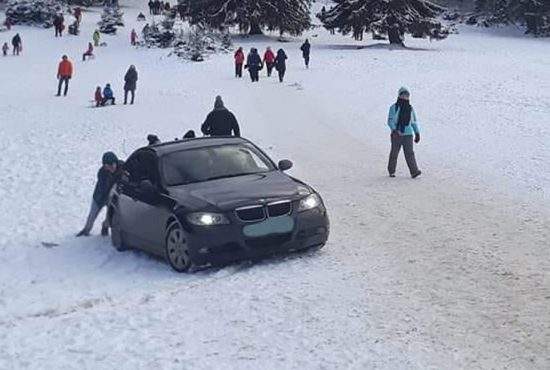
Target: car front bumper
{"points": [[223, 244]]}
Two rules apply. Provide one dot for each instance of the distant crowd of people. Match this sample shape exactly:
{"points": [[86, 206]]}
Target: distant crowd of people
{"points": [[156, 7], [255, 63]]}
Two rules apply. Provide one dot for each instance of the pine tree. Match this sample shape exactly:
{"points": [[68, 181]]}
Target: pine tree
{"points": [[33, 12], [391, 17], [285, 16], [111, 18], [534, 14]]}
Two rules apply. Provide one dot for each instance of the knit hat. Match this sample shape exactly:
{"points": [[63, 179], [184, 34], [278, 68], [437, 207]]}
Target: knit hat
{"points": [[109, 158], [403, 91], [189, 135], [153, 139], [218, 104]]}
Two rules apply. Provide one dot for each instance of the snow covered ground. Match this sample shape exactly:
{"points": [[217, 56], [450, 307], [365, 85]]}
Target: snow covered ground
{"points": [[448, 271]]}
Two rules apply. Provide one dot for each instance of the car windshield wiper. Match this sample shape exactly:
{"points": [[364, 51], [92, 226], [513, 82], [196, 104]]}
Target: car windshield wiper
{"points": [[232, 175]]}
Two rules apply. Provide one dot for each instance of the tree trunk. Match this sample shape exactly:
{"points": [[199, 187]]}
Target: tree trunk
{"points": [[255, 29]]}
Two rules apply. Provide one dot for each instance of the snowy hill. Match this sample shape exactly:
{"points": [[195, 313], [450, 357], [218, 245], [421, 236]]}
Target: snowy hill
{"points": [[449, 271]]}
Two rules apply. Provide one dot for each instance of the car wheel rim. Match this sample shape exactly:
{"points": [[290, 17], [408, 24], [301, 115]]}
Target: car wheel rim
{"points": [[177, 249]]}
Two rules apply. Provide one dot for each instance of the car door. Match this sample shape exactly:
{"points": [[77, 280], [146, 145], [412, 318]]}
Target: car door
{"points": [[150, 208]]}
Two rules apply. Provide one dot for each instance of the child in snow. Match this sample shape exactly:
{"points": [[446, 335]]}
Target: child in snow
{"points": [[96, 37], [89, 52], [280, 64], [108, 95], [5, 49], [133, 37], [110, 172], [403, 124], [98, 98], [239, 60], [269, 60]]}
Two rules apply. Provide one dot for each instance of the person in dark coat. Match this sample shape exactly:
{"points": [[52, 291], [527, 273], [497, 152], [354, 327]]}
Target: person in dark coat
{"points": [[254, 64], [130, 83], [280, 64], [17, 44], [220, 122], [107, 176], [58, 23], [306, 48], [151, 7]]}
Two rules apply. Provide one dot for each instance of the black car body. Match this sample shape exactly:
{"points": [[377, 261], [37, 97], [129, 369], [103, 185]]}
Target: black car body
{"points": [[211, 201]]}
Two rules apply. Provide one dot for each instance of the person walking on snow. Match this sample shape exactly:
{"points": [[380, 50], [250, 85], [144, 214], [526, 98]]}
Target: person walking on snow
{"points": [[64, 74], [133, 37], [98, 97], [108, 175], [96, 37], [108, 95], [78, 15], [89, 53], [220, 122], [151, 7], [130, 83], [5, 49], [306, 48], [239, 60], [269, 60], [280, 64], [254, 64], [404, 125], [17, 44]]}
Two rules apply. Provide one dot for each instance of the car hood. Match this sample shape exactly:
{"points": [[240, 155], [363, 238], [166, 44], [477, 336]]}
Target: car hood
{"points": [[230, 193]]}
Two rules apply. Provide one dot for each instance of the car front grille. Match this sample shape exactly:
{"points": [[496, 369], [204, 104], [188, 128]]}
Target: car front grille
{"points": [[259, 212], [279, 208], [251, 214]]}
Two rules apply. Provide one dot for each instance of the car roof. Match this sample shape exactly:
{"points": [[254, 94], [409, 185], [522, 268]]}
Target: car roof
{"points": [[200, 142]]}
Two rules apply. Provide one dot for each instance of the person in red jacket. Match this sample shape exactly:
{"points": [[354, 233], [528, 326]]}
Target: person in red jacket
{"points": [[239, 60], [269, 60], [133, 37], [89, 52], [98, 98], [64, 74]]}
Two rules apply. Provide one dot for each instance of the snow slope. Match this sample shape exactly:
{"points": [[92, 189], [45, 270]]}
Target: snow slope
{"points": [[450, 271]]}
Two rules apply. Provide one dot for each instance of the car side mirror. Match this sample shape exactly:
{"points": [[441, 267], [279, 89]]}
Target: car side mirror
{"points": [[285, 165]]}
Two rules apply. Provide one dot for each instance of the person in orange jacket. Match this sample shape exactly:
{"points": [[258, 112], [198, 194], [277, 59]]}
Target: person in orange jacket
{"points": [[269, 60], [64, 74], [133, 37], [239, 60]]}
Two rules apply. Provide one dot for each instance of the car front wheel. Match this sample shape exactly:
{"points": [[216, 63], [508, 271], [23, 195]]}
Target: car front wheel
{"points": [[177, 249]]}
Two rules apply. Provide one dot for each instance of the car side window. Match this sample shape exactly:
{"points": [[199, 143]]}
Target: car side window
{"points": [[149, 168]]}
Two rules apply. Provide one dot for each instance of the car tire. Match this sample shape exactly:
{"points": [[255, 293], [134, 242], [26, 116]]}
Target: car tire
{"points": [[116, 232], [176, 248]]}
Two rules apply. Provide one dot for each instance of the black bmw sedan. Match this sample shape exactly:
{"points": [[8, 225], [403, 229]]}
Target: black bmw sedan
{"points": [[210, 201]]}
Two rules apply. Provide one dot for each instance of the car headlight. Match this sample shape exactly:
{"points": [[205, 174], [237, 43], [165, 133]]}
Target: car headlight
{"points": [[207, 219], [310, 202]]}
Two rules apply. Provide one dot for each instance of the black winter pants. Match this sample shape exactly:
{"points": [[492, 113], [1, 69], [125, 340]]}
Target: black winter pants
{"points": [[281, 74], [254, 75], [63, 80], [306, 60], [398, 141], [132, 93]]}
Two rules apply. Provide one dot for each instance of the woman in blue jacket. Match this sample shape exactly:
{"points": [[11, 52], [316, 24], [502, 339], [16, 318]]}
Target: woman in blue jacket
{"points": [[404, 127]]}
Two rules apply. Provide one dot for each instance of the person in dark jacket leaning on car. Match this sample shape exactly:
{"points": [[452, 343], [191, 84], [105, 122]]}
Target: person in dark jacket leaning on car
{"points": [[107, 176], [220, 122]]}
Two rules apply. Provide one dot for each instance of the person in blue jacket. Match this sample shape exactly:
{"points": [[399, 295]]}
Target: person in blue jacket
{"points": [[108, 95], [404, 129], [107, 176], [254, 64]]}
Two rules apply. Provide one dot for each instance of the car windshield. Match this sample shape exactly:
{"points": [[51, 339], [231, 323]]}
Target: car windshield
{"points": [[210, 163]]}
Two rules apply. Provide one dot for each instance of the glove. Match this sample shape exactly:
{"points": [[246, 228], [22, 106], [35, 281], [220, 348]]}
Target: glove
{"points": [[417, 138]]}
